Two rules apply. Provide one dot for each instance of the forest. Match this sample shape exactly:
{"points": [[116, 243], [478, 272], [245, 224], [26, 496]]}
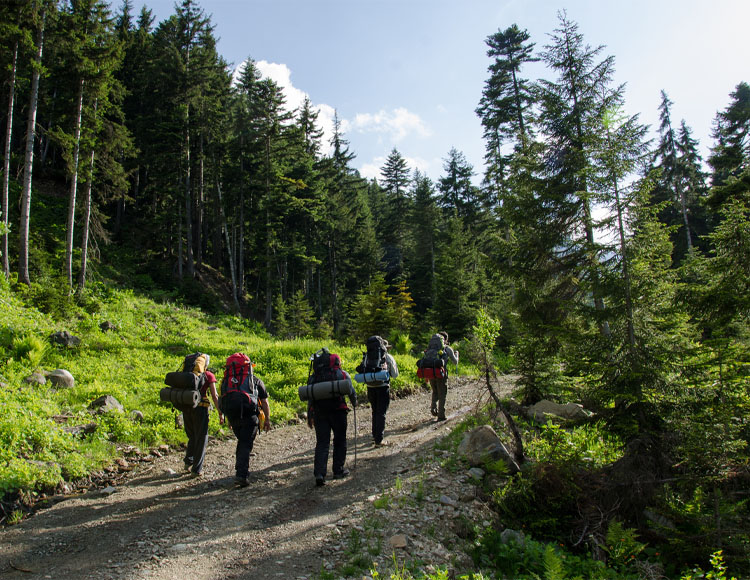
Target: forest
{"points": [[614, 268]]}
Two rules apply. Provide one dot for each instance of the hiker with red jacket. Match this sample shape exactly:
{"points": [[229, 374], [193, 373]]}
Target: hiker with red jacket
{"points": [[329, 414], [244, 402]]}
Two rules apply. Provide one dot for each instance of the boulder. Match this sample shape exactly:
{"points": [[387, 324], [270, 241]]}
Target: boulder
{"points": [[64, 338], [482, 445], [106, 326], [104, 404], [36, 379], [61, 378], [539, 412], [136, 416]]}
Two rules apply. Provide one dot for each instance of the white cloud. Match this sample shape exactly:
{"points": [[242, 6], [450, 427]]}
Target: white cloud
{"points": [[397, 124], [393, 126]]}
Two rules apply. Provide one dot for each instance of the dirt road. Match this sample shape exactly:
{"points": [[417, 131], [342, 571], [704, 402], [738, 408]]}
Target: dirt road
{"points": [[162, 524]]}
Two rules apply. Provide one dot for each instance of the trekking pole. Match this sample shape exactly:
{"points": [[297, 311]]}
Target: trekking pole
{"points": [[354, 408]]}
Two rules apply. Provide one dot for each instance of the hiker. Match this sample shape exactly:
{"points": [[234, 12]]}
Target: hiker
{"points": [[439, 354], [329, 413], [375, 360], [196, 425], [244, 402]]}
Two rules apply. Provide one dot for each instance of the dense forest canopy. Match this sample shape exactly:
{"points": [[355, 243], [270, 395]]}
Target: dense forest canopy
{"points": [[617, 266]]}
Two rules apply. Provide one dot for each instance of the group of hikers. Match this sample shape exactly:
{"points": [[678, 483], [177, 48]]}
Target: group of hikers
{"points": [[242, 400]]}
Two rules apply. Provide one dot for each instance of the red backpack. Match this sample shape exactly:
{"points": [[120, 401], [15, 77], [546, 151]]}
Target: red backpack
{"points": [[239, 392]]}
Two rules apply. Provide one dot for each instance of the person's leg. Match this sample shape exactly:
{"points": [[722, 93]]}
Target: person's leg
{"points": [[382, 397], [434, 406], [245, 430], [442, 392], [187, 419], [372, 398], [338, 424], [322, 443], [200, 437]]}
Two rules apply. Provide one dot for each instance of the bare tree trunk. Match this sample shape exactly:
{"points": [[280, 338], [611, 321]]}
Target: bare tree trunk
{"points": [[73, 187], [179, 241], [86, 223], [188, 203], [229, 249], [6, 161], [199, 217], [23, 250]]}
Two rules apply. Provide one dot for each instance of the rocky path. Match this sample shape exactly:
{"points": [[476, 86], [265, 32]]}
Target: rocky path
{"points": [[162, 524]]}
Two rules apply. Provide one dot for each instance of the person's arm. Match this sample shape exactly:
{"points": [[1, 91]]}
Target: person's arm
{"points": [[392, 366], [452, 355], [267, 412], [215, 398]]}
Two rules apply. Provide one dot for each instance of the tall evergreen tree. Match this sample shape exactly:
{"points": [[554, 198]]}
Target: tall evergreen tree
{"points": [[393, 226]]}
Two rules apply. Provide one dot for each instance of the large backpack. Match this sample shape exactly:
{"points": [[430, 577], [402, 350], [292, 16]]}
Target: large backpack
{"points": [[239, 389], [373, 359], [186, 386], [326, 381], [192, 374], [432, 363]]}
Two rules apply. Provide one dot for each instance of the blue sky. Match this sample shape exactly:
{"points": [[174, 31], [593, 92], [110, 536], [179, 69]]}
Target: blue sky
{"points": [[409, 73]]}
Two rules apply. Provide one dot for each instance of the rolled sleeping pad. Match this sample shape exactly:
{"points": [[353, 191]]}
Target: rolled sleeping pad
{"points": [[180, 397], [376, 377], [182, 380], [326, 390]]}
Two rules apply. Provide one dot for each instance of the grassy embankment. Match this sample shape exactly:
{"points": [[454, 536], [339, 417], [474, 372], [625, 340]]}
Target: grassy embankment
{"points": [[150, 339]]}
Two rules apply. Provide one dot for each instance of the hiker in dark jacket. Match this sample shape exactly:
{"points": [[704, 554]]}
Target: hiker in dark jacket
{"points": [[330, 415], [245, 419], [196, 426], [379, 395], [440, 385]]}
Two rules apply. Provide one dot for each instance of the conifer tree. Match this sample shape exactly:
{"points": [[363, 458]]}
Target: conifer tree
{"points": [[393, 226]]}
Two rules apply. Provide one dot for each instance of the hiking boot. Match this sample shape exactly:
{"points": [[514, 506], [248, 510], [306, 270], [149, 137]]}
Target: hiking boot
{"points": [[433, 411], [187, 466], [320, 481], [382, 443], [341, 474], [195, 474], [241, 481], [443, 418]]}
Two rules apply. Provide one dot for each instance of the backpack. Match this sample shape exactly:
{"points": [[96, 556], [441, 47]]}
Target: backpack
{"points": [[326, 381], [239, 389], [432, 363], [373, 359], [193, 373], [323, 367]]}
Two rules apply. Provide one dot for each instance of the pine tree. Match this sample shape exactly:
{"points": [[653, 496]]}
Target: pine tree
{"points": [[393, 227]]}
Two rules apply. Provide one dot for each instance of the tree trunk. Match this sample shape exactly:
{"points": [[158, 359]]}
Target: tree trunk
{"points": [[188, 203], [199, 217], [229, 248], [86, 223], [6, 161], [73, 187], [23, 250]]}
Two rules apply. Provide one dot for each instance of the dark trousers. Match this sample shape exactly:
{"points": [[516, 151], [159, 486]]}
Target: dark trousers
{"points": [[325, 422], [439, 393], [196, 429], [245, 429], [380, 398]]}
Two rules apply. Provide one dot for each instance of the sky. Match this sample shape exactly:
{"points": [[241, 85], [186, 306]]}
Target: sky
{"points": [[408, 74]]}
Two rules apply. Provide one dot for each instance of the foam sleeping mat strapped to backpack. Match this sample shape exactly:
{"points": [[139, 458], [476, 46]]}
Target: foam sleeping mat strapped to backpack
{"points": [[379, 376], [180, 397], [183, 380], [325, 390]]}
